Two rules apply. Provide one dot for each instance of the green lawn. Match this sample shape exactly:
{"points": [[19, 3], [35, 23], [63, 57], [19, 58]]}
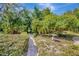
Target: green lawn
{"points": [[13, 44]]}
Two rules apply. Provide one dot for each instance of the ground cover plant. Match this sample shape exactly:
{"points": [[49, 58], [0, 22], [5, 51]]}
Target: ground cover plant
{"points": [[13, 45], [48, 47]]}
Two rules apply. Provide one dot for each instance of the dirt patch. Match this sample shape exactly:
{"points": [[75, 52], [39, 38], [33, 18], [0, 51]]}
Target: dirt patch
{"points": [[76, 40]]}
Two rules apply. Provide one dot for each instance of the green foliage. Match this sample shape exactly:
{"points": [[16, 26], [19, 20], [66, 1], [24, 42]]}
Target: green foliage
{"points": [[26, 19], [51, 23], [37, 14], [16, 21], [8, 16], [76, 12]]}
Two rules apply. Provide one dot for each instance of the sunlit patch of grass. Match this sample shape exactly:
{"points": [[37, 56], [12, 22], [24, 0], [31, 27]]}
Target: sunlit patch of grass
{"points": [[72, 50], [13, 44], [48, 47]]}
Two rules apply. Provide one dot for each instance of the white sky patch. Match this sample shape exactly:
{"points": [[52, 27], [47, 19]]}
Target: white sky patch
{"points": [[48, 5]]}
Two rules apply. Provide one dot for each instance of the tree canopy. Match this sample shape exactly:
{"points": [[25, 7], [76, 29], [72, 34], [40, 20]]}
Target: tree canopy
{"points": [[13, 20]]}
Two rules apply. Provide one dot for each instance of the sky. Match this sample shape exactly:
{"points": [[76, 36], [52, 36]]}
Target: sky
{"points": [[56, 8]]}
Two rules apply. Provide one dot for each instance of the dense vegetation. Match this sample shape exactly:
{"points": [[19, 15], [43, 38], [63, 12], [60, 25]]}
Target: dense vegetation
{"points": [[50, 23], [15, 20]]}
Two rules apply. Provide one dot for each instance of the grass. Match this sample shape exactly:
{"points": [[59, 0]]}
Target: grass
{"points": [[48, 47], [13, 44]]}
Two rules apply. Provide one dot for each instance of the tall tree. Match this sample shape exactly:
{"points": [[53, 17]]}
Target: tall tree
{"points": [[25, 15], [8, 15]]}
